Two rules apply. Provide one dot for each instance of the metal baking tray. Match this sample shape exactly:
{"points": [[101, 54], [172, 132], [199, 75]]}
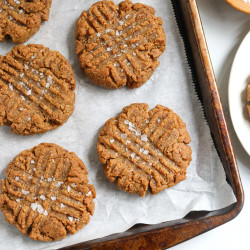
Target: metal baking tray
{"points": [[170, 233]]}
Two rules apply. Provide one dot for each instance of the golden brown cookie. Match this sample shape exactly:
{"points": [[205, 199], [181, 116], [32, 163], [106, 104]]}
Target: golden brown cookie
{"points": [[248, 99], [21, 19], [36, 89], [46, 193], [144, 150], [119, 45]]}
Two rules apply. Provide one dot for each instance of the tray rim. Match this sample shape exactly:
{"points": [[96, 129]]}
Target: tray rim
{"points": [[186, 228]]}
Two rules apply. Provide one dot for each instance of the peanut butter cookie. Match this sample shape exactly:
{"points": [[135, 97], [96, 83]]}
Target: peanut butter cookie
{"points": [[144, 150], [46, 194], [21, 19], [36, 89], [119, 45]]}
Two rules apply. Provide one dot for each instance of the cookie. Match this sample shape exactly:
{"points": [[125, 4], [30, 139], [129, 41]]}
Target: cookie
{"points": [[144, 150], [248, 99], [21, 19], [36, 89], [46, 194], [119, 45]]}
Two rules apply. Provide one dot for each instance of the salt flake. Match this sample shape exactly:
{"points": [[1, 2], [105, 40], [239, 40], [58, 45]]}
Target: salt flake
{"points": [[62, 205], [33, 206], [34, 57], [144, 138], [49, 79], [70, 218], [42, 197], [53, 198], [89, 193], [11, 87], [124, 136], [39, 209], [59, 183]]}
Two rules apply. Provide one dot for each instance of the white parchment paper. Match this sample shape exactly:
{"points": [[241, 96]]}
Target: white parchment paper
{"points": [[171, 85]]}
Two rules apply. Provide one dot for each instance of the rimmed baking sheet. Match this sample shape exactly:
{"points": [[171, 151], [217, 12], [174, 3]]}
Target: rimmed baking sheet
{"points": [[171, 85]]}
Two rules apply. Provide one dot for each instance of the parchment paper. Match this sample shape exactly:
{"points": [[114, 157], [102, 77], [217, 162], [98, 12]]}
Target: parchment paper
{"points": [[171, 85]]}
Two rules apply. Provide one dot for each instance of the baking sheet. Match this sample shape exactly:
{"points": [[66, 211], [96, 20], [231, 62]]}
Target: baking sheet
{"points": [[171, 85]]}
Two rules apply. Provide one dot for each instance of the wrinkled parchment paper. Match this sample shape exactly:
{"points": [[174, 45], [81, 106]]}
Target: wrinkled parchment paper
{"points": [[171, 85]]}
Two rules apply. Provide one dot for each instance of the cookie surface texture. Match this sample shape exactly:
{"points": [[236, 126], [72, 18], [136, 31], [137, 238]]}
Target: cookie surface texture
{"points": [[46, 194], [144, 150], [21, 19], [119, 45], [36, 89]]}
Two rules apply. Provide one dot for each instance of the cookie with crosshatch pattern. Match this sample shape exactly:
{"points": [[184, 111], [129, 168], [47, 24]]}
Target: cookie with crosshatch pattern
{"points": [[21, 19], [144, 150], [119, 45], [36, 89], [46, 194]]}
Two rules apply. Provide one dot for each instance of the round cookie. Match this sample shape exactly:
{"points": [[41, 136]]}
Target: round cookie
{"points": [[144, 150], [36, 89], [119, 45], [21, 19], [46, 194]]}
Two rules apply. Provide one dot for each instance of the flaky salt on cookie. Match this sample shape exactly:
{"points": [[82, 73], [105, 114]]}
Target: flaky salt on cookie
{"points": [[46, 194], [21, 19], [144, 150], [119, 45], [36, 89]]}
